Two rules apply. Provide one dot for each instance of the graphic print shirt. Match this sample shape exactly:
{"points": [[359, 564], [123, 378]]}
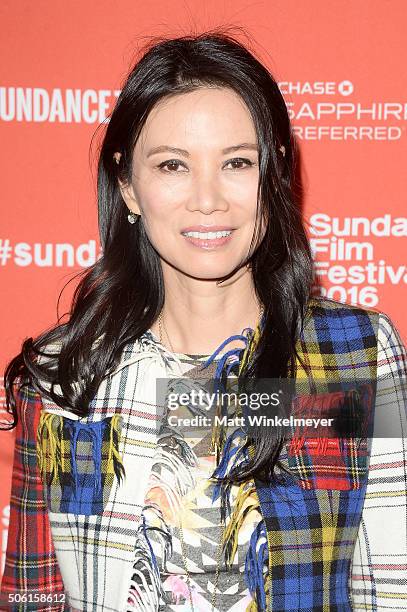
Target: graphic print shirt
{"points": [[181, 491]]}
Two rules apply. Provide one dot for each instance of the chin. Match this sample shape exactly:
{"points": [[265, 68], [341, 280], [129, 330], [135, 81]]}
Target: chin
{"points": [[208, 272]]}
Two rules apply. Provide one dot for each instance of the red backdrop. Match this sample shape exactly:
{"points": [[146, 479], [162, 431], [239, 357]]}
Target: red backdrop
{"points": [[339, 67]]}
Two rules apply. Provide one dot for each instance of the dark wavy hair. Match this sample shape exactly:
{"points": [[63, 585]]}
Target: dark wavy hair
{"points": [[121, 295]]}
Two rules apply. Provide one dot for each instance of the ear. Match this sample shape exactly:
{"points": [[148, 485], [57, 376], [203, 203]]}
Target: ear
{"points": [[128, 196], [127, 191]]}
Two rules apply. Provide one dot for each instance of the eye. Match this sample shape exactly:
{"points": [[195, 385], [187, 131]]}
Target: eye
{"points": [[240, 160], [170, 163]]}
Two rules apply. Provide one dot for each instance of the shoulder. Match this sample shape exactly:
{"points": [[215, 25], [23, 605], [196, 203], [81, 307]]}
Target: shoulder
{"points": [[392, 352], [28, 407], [334, 320], [353, 323], [321, 306]]}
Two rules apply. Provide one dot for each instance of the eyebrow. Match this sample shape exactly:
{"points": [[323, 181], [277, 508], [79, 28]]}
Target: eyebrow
{"points": [[185, 153]]}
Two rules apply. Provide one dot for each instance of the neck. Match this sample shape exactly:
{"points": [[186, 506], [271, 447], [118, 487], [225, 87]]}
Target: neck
{"points": [[198, 324]]}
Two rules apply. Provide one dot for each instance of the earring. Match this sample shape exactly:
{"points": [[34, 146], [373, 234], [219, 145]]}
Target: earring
{"points": [[132, 217]]}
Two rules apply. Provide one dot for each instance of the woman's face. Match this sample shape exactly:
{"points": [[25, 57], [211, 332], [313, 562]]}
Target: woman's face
{"points": [[195, 169]]}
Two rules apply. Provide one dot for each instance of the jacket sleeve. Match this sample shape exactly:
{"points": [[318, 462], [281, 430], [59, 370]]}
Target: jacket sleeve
{"points": [[378, 576], [31, 568]]}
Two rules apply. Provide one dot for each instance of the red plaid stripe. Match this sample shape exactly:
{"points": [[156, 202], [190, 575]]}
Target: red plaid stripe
{"points": [[31, 564]]}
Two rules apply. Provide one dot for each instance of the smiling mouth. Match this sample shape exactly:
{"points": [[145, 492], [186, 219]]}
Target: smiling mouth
{"points": [[208, 240]]}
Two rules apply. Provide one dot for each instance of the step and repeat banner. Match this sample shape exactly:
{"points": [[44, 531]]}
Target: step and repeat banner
{"points": [[339, 66]]}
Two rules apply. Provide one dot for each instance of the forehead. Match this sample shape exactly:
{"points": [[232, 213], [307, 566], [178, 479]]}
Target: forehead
{"points": [[203, 116]]}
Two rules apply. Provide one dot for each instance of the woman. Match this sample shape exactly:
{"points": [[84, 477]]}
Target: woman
{"points": [[206, 269]]}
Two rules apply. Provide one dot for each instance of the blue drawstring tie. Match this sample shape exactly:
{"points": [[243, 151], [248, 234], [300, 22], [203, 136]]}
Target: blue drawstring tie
{"points": [[235, 353]]}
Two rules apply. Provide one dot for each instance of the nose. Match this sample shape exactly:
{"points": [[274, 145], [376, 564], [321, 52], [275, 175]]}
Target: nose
{"points": [[206, 195]]}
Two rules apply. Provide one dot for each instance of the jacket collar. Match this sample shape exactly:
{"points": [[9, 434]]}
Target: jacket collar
{"points": [[147, 346], [148, 349]]}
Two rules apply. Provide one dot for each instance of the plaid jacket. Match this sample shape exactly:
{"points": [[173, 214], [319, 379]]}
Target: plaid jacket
{"points": [[335, 531]]}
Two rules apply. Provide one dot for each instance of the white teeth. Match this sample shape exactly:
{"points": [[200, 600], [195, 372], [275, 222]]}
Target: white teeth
{"points": [[207, 235]]}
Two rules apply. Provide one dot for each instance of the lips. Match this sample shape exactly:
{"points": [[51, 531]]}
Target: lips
{"points": [[207, 228], [206, 242]]}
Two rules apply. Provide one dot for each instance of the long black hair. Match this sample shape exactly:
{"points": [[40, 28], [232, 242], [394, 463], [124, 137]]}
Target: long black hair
{"points": [[122, 294]]}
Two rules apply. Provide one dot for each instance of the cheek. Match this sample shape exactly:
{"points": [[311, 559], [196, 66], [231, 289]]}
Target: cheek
{"points": [[154, 224], [159, 201], [153, 201], [158, 219], [243, 187], [244, 200]]}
